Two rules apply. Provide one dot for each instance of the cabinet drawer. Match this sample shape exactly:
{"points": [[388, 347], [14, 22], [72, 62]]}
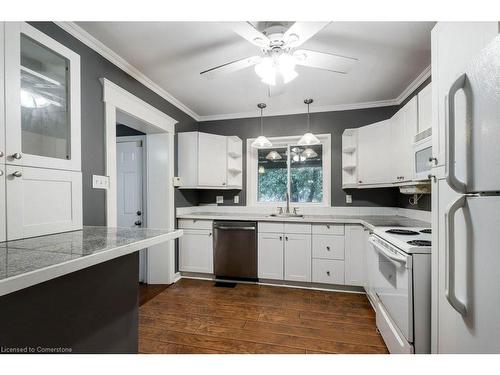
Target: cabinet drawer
{"points": [[337, 229], [194, 224], [298, 228], [328, 271], [269, 227], [328, 247]]}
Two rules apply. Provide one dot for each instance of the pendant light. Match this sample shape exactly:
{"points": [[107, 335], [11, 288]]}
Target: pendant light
{"points": [[273, 155], [261, 141], [308, 138]]}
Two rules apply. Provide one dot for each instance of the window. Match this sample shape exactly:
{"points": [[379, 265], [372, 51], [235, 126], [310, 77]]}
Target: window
{"points": [[301, 171]]}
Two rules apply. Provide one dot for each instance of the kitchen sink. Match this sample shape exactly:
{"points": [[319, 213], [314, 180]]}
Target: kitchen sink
{"points": [[287, 215]]}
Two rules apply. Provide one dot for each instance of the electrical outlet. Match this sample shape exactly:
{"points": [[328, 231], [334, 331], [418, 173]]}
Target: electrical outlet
{"points": [[236, 199], [100, 182], [219, 199], [348, 198]]}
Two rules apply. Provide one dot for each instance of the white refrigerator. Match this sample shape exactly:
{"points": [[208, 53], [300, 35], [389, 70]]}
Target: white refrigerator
{"points": [[468, 213]]}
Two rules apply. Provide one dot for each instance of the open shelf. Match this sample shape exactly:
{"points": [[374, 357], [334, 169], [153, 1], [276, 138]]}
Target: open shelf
{"points": [[234, 155], [348, 167]]}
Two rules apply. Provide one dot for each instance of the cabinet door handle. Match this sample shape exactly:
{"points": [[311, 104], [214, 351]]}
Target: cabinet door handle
{"points": [[286, 238], [210, 234], [281, 238], [328, 273], [328, 226], [17, 174], [1, 173], [328, 248], [17, 155], [1, 154]]}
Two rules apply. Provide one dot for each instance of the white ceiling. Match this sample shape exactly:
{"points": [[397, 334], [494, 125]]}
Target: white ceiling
{"points": [[391, 56]]}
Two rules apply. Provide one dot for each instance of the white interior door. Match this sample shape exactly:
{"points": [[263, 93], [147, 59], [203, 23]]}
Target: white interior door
{"points": [[130, 182], [129, 165]]}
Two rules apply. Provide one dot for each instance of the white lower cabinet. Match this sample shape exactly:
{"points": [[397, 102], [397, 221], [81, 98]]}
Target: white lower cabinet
{"points": [[42, 201], [328, 247], [356, 239], [298, 257], [3, 228], [270, 256], [196, 252], [328, 271]]}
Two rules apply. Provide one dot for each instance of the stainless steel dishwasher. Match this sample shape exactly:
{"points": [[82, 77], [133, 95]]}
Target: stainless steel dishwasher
{"points": [[235, 249]]}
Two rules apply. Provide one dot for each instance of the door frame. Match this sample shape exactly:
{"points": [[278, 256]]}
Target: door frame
{"points": [[160, 130]]}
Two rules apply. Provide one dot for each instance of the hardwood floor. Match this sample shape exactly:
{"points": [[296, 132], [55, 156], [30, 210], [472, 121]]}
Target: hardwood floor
{"points": [[149, 291], [193, 316]]}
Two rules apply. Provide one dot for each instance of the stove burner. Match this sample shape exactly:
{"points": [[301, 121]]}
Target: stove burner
{"points": [[426, 231], [419, 243], [405, 232]]}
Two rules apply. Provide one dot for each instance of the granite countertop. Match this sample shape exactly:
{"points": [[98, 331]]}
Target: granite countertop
{"points": [[30, 261], [369, 221]]}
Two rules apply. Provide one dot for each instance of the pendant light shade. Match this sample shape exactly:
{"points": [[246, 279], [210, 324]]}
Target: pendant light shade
{"points": [[273, 155], [261, 141], [309, 153], [309, 138]]}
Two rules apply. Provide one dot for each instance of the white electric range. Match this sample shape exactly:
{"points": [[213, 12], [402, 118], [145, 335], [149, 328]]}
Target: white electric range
{"points": [[399, 287]]}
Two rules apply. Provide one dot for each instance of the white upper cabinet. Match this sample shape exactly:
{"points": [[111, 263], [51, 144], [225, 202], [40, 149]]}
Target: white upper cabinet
{"points": [[374, 154], [454, 45], [403, 131], [42, 100], [209, 161], [425, 108], [212, 160]]}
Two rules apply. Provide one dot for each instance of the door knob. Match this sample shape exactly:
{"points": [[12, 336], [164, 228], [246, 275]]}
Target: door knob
{"points": [[138, 222], [17, 174], [17, 155]]}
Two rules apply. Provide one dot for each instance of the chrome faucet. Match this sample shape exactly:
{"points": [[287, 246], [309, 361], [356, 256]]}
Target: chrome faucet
{"points": [[287, 196]]}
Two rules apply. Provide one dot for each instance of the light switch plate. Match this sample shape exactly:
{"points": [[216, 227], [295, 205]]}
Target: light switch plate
{"points": [[219, 199], [100, 182], [348, 198], [236, 199]]}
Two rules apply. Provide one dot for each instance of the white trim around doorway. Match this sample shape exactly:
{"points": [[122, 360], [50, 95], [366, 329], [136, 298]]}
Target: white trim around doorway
{"points": [[160, 206]]}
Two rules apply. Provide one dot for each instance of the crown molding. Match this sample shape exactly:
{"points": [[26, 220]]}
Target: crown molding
{"points": [[426, 73], [106, 52], [110, 55], [300, 110]]}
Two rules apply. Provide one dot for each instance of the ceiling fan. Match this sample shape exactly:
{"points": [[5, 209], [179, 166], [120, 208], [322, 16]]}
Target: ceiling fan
{"points": [[279, 55]]}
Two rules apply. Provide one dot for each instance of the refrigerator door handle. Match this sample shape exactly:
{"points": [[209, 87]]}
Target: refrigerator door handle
{"points": [[459, 306], [451, 177]]}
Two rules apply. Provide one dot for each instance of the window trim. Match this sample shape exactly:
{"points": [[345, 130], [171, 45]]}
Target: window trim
{"points": [[252, 168]]}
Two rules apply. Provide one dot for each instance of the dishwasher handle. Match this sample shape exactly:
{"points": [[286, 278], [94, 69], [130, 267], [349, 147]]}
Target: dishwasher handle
{"points": [[233, 228]]}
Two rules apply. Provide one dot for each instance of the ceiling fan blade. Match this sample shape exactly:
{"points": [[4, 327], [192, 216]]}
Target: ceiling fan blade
{"points": [[276, 90], [300, 32], [230, 67], [326, 61], [250, 33]]}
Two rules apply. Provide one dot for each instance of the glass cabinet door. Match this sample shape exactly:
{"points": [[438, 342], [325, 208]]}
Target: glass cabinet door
{"points": [[43, 109], [45, 121]]}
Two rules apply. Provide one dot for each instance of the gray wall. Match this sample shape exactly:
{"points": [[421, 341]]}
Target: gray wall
{"points": [[93, 67], [333, 123], [325, 122]]}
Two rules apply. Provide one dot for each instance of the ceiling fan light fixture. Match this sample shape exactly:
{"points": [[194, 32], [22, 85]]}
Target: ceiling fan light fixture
{"points": [[266, 70]]}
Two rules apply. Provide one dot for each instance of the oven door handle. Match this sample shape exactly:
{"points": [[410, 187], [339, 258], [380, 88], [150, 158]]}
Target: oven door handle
{"points": [[387, 254]]}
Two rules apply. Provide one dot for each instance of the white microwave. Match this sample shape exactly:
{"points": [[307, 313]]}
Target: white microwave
{"points": [[422, 156]]}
